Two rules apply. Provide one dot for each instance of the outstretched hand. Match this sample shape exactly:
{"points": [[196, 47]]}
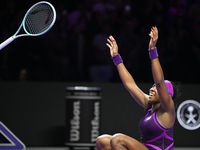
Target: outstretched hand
{"points": [[112, 45], [154, 37]]}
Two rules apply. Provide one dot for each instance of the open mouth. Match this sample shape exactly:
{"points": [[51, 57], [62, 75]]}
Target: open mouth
{"points": [[151, 94]]}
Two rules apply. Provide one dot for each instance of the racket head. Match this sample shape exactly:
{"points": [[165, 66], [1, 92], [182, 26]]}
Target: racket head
{"points": [[39, 18]]}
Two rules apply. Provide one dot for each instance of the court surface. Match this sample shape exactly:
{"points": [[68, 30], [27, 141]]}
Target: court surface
{"points": [[85, 148]]}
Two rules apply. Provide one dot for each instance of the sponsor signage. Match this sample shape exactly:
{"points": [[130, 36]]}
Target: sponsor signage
{"points": [[82, 115], [188, 114]]}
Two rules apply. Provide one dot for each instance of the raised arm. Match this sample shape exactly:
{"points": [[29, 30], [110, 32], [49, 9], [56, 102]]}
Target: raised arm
{"points": [[166, 101], [140, 97]]}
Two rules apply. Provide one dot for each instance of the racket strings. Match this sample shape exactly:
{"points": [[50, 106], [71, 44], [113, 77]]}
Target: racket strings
{"points": [[39, 19]]}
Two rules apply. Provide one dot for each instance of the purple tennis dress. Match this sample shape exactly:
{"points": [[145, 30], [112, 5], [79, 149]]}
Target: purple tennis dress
{"points": [[153, 135]]}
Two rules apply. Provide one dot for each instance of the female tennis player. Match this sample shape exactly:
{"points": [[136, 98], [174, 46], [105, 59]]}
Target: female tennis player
{"points": [[156, 126]]}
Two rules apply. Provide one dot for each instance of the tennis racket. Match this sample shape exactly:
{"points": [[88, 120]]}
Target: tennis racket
{"points": [[37, 21]]}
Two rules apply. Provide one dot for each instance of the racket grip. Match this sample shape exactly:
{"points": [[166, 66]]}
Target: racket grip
{"points": [[6, 42]]}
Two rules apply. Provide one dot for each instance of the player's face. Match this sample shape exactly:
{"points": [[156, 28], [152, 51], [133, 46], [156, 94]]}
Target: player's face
{"points": [[153, 95]]}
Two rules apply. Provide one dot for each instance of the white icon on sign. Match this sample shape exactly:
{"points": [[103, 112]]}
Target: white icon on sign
{"points": [[188, 114]]}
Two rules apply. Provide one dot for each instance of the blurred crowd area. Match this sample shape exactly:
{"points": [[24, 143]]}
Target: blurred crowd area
{"points": [[75, 48]]}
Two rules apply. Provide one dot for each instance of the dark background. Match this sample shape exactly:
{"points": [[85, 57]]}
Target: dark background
{"points": [[36, 112], [74, 49], [73, 52]]}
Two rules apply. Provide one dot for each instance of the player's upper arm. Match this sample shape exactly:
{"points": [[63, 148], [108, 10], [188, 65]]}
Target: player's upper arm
{"points": [[140, 97]]}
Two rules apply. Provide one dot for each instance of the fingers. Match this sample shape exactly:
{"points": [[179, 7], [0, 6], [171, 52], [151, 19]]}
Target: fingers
{"points": [[108, 45], [111, 41], [153, 32], [112, 38]]}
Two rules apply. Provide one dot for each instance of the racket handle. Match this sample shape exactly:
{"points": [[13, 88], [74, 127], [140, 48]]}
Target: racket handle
{"points": [[6, 42]]}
